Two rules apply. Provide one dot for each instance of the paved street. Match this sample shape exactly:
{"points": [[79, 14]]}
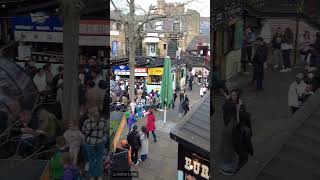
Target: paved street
{"points": [[162, 162], [270, 118]]}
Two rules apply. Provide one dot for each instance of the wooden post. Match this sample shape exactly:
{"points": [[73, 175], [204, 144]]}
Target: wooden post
{"points": [[71, 21]]}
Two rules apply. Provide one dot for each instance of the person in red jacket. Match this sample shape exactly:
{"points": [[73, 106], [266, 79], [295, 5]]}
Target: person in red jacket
{"points": [[151, 126]]}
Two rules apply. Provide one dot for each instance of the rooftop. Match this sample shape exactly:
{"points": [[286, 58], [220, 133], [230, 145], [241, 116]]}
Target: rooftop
{"points": [[194, 129], [299, 157]]}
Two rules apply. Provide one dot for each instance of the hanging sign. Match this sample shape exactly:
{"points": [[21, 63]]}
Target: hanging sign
{"points": [[155, 71], [191, 163]]}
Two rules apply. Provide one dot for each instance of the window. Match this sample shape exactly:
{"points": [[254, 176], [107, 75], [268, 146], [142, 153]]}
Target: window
{"points": [[154, 80], [158, 25], [176, 26], [118, 26], [164, 46], [114, 26], [229, 38]]}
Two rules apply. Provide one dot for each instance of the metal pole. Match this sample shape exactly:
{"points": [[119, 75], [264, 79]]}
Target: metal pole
{"points": [[296, 40]]}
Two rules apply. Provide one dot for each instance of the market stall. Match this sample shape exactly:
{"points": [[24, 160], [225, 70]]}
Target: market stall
{"points": [[193, 136], [154, 79]]}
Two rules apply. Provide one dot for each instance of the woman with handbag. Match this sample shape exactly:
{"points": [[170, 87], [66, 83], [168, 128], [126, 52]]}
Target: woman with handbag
{"points": [[95, 130]]}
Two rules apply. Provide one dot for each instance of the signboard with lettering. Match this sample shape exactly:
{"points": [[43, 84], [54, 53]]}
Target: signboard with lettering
{"points": [[54, 24], [155, 71], [193, 164]]}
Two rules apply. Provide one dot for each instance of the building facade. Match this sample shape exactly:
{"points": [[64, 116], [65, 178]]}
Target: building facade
{"points": [[117, 38], [166, 36]]}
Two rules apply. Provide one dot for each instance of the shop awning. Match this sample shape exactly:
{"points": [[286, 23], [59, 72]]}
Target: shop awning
{"points": [[151, 40]]}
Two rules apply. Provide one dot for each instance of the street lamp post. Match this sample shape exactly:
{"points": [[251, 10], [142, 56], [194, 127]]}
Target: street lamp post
{"points": [[298, 16]]}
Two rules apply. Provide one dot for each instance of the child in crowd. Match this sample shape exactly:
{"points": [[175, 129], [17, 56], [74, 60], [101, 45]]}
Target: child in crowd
{"points": [[128, 117], [71, 171], [74, 139], [132, 120], [56, 161]]}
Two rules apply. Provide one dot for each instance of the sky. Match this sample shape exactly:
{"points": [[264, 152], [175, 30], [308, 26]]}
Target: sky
{"points": [[202, 6]]}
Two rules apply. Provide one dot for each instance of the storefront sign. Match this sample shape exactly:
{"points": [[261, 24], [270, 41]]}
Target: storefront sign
{"points": [[193, 164], [57, 37], [45, 23], [125, 71], [141, 72], [155, 71]]}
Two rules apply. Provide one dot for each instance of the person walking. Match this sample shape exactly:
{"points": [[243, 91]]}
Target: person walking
{"points": [[74, 139], [305, 47], [185, 103], [151, 126], [135, 143], [203, 90], [144, 137], [227, 159], [296, 90], [259, 60], [95, 130], [40, 80], [242, 135], [286, 47], [190, 82], [276, 46]]}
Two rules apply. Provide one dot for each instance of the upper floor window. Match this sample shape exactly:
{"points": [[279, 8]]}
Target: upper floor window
{"points": [[158, 26], [118, 26], [176, 25], [114, 26]]}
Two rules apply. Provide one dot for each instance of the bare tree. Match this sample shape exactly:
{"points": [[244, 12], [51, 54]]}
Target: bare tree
{"points": [[133, 27], [71, 20]]}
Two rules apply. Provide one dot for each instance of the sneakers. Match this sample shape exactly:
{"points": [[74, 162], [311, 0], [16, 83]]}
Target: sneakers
{"points": [[276, 66], [137, 162]]}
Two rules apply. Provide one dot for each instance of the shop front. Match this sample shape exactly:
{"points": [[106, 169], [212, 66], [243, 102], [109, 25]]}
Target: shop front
{"points": [[123, 72], [154, 79], [191, 165], [192, 134], [41, 38]]}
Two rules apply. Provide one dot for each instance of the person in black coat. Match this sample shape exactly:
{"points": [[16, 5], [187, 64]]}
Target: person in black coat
{"points": [[259, 58], [242, 137], [135, 143]]}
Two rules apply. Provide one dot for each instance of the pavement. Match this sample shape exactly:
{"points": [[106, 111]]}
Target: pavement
{"points": [[163, 155], [270, 119]]}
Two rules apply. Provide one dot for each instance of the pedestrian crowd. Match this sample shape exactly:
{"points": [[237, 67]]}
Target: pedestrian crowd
{"points": [[137, 143], [305, 85], [236, 140], [76, 147]]}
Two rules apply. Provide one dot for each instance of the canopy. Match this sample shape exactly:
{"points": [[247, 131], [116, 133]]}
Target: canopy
{"points": [[166, 91], [16, 85]]}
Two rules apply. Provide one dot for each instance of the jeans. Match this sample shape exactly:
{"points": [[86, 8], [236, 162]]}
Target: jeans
{"points": [[134, 155], [278, 59], [286, 58], [95, 158]]}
